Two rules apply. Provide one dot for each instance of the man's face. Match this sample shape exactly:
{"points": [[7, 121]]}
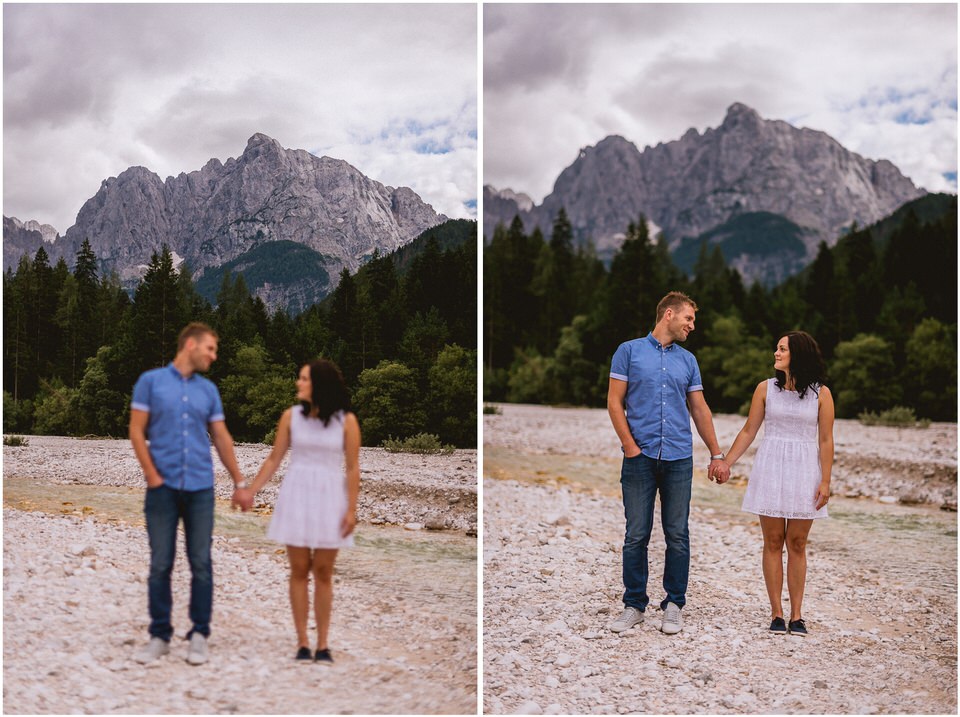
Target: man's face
{"points": [[680, 322], [202, 352]]}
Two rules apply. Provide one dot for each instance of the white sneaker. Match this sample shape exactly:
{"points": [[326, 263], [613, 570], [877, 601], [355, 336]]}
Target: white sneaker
{"points": [[672, 621], [198, 649], [631, 616], [153, 650]]}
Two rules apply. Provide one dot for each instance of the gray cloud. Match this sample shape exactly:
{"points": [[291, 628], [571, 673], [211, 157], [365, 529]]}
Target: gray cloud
{"points": [[92, 89], [649, 72]]}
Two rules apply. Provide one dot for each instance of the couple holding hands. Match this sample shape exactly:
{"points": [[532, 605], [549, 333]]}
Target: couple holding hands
{"points": [[172, 412], [654, 391]]}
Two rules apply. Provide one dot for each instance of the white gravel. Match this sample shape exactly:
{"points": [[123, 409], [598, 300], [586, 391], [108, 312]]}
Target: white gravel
{"points": [[909, 465], [439, 491], [880, 603], [75, 607]]}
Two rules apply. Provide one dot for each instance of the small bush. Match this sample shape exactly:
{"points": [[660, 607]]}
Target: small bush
{"points": [[898, 416], [492, 410], [420, 443], [15, 441]]}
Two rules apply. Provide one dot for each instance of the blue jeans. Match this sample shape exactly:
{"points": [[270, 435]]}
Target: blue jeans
{"points": [[640, 479], [164, 507]]}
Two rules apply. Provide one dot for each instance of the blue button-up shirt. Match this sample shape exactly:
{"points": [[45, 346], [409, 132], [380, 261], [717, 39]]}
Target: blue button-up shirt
{"points": [[180, 410], [658, 381]]}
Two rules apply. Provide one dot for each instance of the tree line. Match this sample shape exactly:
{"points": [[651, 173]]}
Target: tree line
{"points": [[881, 303], [404, 337]]}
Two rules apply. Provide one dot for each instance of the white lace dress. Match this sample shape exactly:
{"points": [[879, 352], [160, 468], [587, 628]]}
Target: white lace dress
{"points": [[786, 470], [313, 495]]}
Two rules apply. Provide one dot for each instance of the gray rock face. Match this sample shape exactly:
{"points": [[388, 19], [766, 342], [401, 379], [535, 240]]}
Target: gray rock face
{"points": [[700, 181], [21, 238], [268, 193]]}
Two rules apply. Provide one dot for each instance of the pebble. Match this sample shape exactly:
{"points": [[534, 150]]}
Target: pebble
{"points": [[85, 577], [724, 660]]}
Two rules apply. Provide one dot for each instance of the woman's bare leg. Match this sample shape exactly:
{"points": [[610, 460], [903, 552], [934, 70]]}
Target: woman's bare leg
{"points": [[323, 599], [774, 530], [299, 595], [797, 531]]}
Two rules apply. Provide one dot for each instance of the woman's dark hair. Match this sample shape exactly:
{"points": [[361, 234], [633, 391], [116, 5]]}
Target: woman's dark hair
{"points": [[328, 391], [806, 364]]}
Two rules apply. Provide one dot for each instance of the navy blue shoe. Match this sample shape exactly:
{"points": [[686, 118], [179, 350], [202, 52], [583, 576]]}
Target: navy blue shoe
{"points": [[304, 654], [798, 627], [778, 626], [324, 656]]}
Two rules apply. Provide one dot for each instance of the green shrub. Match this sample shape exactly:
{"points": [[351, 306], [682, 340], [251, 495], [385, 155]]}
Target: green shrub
{"points": [[898, 416], [15, 441], [420, 443], [489, 410]]}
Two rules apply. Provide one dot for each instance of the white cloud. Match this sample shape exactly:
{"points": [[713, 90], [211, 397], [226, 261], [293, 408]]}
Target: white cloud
{"points": [[649, 72], [90, 90]]}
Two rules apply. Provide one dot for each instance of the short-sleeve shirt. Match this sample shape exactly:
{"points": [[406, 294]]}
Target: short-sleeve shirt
{"points": [[181, 410], [658, 381]]}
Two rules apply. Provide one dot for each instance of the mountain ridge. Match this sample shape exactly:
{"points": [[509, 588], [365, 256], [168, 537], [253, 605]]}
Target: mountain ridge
{"points": [[694, 184], [223, 210]]}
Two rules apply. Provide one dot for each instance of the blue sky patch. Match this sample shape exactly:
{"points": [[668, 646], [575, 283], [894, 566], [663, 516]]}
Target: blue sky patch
{"points": [[951, 177], [432, 146]]}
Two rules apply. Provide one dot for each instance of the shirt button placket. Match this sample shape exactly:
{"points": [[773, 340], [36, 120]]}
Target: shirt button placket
{"points": [[183, 418]]}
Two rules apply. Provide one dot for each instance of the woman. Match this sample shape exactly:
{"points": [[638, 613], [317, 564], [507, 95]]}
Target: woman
{"points": [[315, 512], [789, 485]]}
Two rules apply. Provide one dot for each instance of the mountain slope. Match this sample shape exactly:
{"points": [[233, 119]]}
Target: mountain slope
{"points": [[692, 185], [225, 210]]}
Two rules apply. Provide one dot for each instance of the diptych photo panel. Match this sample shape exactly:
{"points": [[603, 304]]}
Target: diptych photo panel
{"points": [[240, 248], [480, 358], [719, 359]]}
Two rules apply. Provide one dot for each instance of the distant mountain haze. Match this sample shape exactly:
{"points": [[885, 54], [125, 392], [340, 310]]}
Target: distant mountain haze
{"points": [[790, 188], [224, 212]]}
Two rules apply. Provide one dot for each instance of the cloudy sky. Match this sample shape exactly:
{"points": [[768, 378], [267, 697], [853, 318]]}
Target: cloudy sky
{"points": [[89, 90], [881, 79]]}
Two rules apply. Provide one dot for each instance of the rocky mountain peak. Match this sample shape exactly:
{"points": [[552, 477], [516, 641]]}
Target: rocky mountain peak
{"points": [[259, 139], [699, 182], [223, 211]]}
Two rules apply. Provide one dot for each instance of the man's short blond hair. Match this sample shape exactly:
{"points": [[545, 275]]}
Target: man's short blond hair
{"points": [[194, 330], [675, 300]]}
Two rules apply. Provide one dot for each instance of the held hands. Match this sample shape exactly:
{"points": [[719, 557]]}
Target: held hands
{"points": [[242, 499], [719, 471]]}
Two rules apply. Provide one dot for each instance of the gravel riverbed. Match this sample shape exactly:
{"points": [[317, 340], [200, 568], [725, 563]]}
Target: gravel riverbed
{"points": [[880, 603], [75, 610]]}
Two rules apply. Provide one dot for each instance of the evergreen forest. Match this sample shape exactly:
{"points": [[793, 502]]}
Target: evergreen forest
{"points": [[881, 302], [402, 329]]}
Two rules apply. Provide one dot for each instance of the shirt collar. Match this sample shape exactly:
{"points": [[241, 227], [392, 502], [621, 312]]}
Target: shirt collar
{"points": [[656, 344], [175, 372]]}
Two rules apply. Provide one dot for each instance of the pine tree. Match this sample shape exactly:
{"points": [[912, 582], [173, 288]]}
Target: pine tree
{"points": [[156, 312]]}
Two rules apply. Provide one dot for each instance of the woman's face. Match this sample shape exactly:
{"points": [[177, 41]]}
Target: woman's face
{"points": [[304, 385], [781, 357]]}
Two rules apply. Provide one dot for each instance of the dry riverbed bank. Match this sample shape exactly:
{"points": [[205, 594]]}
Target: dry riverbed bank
{"points": [[881, 600], [75, 564]]}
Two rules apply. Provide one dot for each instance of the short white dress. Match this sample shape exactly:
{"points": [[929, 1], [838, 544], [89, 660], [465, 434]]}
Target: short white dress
{"points": [[786, 471], [313, 495]]}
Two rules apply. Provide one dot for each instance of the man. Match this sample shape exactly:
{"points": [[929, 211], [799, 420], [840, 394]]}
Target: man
{"points": [[654, 389], [173, 408]]}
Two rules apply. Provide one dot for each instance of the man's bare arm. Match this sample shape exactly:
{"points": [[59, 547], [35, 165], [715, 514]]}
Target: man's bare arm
{"points": [[138, 437], [223, 442], [616, 395]]}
